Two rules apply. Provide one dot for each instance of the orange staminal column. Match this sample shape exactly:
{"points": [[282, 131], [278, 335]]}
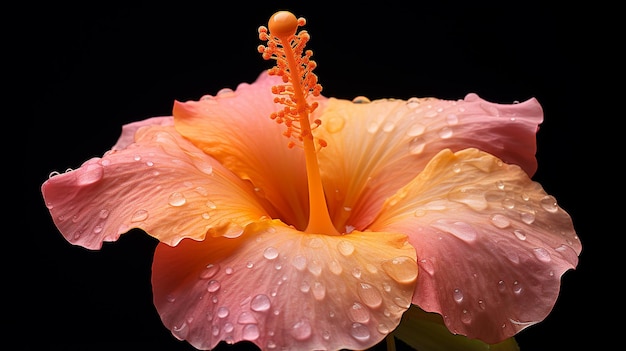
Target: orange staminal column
{"points": [[295, 67]]}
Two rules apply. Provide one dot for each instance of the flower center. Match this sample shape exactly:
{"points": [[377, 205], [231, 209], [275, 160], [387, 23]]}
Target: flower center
{"points": [[295, 67]]}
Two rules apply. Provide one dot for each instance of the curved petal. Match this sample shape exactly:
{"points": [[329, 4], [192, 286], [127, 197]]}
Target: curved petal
{"points": [[491, 244], [160, 183], [375, 148], [280, 288], [235, 128]]}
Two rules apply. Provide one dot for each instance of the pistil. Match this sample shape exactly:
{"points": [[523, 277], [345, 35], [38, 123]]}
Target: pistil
{"points": [[294, 66]]}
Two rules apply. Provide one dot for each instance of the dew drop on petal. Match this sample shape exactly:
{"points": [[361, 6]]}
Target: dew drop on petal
{"points": [[360, 332], [209, 271], [415, 129], [260, 303], [299, 262], [452, 119], [542, 254], [457, 295], [318, 290], [223, 312], [500, 221], [246, 318], [549, 204], [416, 145], [401, 269], [369, 295], [301, 330], [213, 286], [519, 234], [466, 316], [250, 332], [445, 132], [270, 253], [139, 215], [177, 199], [334, 124], [359, 313]]}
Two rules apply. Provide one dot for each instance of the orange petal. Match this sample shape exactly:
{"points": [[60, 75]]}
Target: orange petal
{"points": [[160, 183], [375, 148], [235, 128], [280, 288], [491, 244]]}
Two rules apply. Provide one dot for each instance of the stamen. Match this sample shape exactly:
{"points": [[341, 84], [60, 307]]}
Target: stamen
{"points": [[295, 67]]}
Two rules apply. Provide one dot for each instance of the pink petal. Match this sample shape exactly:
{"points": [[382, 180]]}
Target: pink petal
{"points": [[491, 244], [282, 289], [160, 183], [235, 128], [375, 148]]}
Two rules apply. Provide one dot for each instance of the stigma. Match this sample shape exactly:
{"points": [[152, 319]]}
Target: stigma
{"points": [[286, 46]]}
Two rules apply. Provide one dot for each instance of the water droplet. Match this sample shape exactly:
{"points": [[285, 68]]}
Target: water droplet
{"points": [[527, 214], [171, 298], [211, 205], [103, 214], [542, 254], [361, 100], [389, 127], [369, 295], [372, 127], [177, 199], [474, 198], [461, 230], [457, 295], [415, 129], [225, 93], [315, 267], [98, 229], [305, 287], [334, 124], [508, 203], [519, 234], [356, 272], [427, 266], [500, 221], [549, 204], [299, 261], [246, 318], [335, 267], [501, 285], [401, 269], [250, 332], [270, 253], [445, 132], [416, 145], [466, 316], [209, 271], [139, 215], [149, 163], [260, 303], [452, 119], [360, 332], [319, 291], [517, 287], [358, 313], [223, 312], [481, 304], [430, 113], [345, 247], [301, 330], [413, 102], [213, 286]]}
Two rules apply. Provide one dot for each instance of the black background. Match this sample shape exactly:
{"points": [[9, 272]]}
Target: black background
{"points": [[84, 70]]}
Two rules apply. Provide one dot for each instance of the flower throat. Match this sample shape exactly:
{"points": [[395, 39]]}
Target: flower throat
{"points": [[295, 67]]}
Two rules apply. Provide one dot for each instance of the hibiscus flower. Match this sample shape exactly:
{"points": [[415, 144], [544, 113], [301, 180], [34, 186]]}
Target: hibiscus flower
{"points": [[324, 239]]}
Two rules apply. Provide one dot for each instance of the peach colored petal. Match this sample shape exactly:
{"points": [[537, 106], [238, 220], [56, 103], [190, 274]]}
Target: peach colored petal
{"points": [[491, 244], [235, 128], [160, 183], [375, 148], [282, 289]]}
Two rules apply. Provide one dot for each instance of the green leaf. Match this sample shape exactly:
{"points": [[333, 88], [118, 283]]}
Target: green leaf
{"points": [[425, 331]]}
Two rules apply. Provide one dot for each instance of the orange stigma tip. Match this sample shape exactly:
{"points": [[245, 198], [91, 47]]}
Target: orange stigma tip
{"points": [[283, 24]]}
